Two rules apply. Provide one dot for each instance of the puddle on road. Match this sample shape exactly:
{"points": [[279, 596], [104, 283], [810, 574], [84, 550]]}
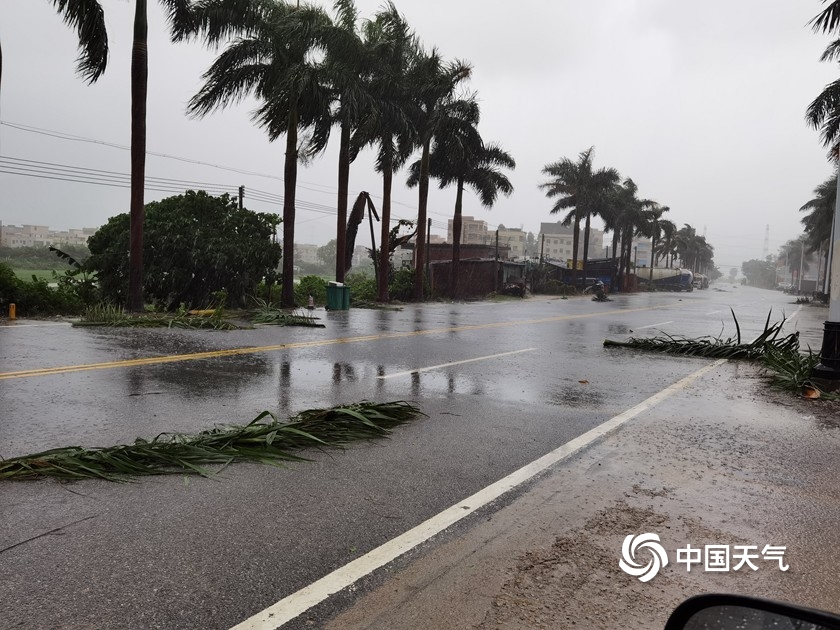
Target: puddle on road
{"points": [[580, 396]]}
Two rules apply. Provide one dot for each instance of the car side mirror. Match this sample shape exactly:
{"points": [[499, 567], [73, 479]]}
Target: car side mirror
{"points": [[737, 612]]}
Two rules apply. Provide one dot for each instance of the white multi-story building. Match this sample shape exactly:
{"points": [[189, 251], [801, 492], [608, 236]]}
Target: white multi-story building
{"points": [[559, 242], [42, 236], [473, 231], [515, 239]]}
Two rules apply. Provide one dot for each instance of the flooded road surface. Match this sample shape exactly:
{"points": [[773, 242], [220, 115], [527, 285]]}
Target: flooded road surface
{"points": [[502, 383]]}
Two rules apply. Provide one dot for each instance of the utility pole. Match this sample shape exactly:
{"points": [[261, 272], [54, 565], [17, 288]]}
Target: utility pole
{"points": [[542, 248], [241, 196]]}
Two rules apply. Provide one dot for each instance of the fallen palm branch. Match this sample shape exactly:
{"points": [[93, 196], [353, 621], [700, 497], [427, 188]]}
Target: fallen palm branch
{"points": [[265, 440], [265, 313], [717, 347], [779, 354]]}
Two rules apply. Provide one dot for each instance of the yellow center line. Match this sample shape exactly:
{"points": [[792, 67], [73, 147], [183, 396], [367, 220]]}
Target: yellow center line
{"points": [[213, 354]]}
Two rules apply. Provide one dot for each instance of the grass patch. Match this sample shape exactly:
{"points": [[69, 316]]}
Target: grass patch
{"points": [[265, 440], [41, 274], [785, 364]]}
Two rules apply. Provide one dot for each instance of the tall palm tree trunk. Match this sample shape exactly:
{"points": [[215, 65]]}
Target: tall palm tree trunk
{"points": [[420, 239], [287, 297], [341, 206], [384, 241], [652, 261], [457, 224], [575, 245], [139, 83], [586, 245], [616, 237]]}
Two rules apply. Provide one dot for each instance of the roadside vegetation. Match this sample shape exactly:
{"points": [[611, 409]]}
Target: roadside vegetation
{"points": [[264, 440]]}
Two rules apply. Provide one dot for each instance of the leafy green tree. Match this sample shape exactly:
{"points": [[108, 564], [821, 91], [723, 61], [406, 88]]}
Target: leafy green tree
{"points": [[760, 273], [195, 245], [327, 253], [580, 190]]}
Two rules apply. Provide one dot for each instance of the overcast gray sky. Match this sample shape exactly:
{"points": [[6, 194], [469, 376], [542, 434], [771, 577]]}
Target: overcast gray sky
{"points": [[702, 104]]}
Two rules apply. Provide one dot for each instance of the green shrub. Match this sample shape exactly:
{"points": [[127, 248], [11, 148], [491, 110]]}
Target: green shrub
{"points": [[401, 287], [314, 286], [362, 287]]}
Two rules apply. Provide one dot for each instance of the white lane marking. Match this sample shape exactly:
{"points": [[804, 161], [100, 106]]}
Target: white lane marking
{"points": [[654, 325], [13, 326], [297, 603], [443, 365], [714, 312], [792, 317]]}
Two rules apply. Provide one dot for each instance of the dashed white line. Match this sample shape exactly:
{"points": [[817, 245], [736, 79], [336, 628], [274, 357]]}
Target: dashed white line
{"points": [[443, 365], [297, 603], [654, 325], [714, 312]]}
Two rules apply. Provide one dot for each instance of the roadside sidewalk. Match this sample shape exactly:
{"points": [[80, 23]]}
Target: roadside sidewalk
{"points": [[726, 461]]}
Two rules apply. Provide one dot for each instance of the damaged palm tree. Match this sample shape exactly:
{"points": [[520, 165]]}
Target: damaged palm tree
{"points": [[265, 440]]}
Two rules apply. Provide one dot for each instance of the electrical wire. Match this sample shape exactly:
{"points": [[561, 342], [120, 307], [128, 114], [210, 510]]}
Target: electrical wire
{"points": [[303, 184]]}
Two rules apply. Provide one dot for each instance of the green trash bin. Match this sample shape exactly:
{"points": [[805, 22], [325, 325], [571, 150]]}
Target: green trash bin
{"points": [[338, 297]]}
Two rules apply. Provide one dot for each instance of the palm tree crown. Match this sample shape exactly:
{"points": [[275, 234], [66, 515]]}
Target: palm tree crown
{"points": [[580, 190]]}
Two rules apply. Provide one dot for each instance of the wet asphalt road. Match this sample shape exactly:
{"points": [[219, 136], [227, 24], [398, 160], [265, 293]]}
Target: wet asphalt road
{"points": [[194, 553]]}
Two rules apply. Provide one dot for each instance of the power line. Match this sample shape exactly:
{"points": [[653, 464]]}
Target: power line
{"points": [[83, 175], [301, 183]]}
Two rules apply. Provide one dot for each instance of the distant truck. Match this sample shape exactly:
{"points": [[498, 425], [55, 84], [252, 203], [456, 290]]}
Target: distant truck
{"points": [[665, 279]]}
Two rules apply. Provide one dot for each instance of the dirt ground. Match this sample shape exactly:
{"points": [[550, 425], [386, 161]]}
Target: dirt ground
{"points": [[727, 461]]}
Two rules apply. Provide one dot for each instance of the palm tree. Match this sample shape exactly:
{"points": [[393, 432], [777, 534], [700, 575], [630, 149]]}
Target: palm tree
{"points": [[665, 248], [656, 233], [348, 67], [631, 218], [819, 221], [180, 20], [820, 213], [87, 18], [582, 191], [387, 124], [433, 86], [824, 111], [460, 157], [275, 58]]}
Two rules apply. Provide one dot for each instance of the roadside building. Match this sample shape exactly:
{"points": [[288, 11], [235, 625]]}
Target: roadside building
{"points": [[42, 236], [473, 231]]}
